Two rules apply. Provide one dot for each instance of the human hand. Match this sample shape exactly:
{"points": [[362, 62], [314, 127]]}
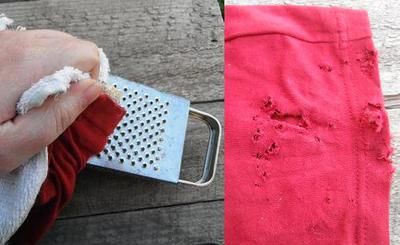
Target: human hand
{"points": [[25, 57]]}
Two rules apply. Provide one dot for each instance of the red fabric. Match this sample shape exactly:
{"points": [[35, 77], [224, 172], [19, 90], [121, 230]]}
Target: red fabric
{"points": [[307, 138], [68, 155]]}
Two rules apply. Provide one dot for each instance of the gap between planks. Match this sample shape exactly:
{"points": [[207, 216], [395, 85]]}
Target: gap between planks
{"points": [[141, 209]]}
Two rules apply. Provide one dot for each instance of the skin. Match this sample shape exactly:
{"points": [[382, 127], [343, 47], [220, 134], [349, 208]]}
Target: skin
{"points": [[25, 57]]}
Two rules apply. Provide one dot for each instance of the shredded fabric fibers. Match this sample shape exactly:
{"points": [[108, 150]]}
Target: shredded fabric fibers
{"points": [[5, 22], [307, 136]]}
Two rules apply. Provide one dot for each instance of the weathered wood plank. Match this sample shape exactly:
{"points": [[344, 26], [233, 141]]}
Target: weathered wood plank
{"points": [[200, 223], [8, 1], [175, 46], [385, 25], [100, 191], [395, 189]]}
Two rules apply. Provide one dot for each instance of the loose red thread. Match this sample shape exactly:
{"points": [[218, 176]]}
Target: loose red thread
{"points": [[372, 116], [326, 68], [367, 61]]}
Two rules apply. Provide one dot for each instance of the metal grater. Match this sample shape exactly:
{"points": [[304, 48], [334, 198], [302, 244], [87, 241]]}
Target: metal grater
{"points": [[150, 138]]}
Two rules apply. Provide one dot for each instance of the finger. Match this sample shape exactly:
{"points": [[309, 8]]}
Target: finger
{"points": [[79, 54], [48, 34], [41, 126], [94, 73], [86, 60]]}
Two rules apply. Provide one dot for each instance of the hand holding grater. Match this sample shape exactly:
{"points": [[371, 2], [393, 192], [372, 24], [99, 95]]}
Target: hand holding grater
{"points": [[150, 138]]}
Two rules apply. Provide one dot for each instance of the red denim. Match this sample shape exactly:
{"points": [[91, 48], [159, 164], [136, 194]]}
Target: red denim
{"points": [[307, 136], [68, 155]]}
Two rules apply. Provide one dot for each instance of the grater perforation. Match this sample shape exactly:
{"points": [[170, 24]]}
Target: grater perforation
{"points": [[149, 139]]}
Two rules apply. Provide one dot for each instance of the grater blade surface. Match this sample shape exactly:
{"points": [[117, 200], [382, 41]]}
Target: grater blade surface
{"points": [[150, 138]]}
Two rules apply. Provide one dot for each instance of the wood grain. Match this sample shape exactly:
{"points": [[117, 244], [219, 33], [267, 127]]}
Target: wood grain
{"points": [[174, 46], [394, 116], [194, 224]]}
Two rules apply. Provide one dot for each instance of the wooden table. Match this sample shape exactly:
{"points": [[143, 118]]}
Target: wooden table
{"points": [[385, 24], [175, 46]]}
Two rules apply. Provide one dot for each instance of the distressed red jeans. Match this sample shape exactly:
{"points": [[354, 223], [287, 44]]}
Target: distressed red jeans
{"points": [[307, 136]]}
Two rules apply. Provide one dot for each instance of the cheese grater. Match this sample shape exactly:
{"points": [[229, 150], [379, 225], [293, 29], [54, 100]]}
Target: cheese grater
{"points": [[150, 138]]}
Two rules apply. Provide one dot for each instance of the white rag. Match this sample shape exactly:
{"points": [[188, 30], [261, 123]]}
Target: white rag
{"points": [[19, 189]]}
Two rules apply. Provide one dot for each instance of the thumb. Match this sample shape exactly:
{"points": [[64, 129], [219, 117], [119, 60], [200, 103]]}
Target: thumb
{"points": [[41, 126]]}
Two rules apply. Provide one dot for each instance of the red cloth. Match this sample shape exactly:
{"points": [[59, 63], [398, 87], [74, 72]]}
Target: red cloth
{"points": [[307, 136], [68, 155]]}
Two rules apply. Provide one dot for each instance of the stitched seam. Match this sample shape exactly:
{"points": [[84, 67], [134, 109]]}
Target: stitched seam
{"points": [[240, 35], [365, 223], [342, 45]]}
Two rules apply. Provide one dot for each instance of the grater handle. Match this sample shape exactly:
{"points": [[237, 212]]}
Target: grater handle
{"points": [[211, 159]]}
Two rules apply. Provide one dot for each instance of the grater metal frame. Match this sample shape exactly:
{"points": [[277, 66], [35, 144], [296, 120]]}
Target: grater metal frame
{"points": [[149, 141], [214, 140]]}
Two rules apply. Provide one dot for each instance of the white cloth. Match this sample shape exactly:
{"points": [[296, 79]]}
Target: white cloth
{"points": [[19, 189]]}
